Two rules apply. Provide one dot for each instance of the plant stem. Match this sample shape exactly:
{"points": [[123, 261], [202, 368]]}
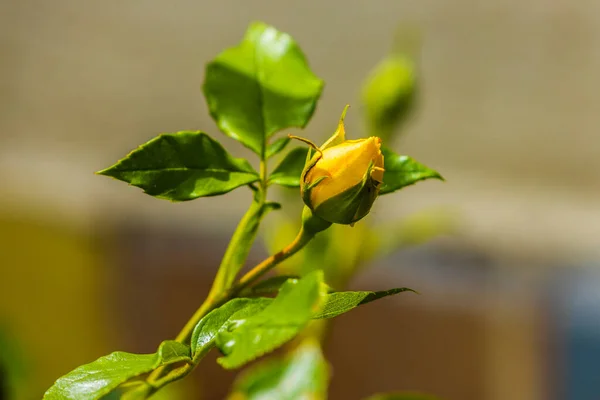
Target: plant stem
{"points": [[297, 244], [234, 258], [250, 277], [158, 375]]}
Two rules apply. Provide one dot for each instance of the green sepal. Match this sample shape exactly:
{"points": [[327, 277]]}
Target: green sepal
{"points": [[351, 205], [339, 136]]}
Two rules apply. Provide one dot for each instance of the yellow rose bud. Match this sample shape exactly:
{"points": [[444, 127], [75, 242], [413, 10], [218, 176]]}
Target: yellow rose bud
{"points": [[341, 181]]}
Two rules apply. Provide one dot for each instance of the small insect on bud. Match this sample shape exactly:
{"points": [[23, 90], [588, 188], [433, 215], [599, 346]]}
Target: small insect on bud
{"points": [[341, 180]]}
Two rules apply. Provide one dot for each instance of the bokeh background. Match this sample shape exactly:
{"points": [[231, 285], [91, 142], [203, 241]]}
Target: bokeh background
{"points": [[508, 113]]}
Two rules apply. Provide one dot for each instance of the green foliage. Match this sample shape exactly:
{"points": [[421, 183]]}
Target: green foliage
{"points": [[301, 375], [249, 337], [254, 90], [277, 146], [182, 166], [388, 94], [218, 320], [340, 302], [100, 377], [261, 86], [289, 170], [268, 286], [402, 171]]}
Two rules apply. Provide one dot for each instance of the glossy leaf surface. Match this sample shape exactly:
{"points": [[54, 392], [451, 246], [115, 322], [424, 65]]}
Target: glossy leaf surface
{"points": [[340, 302], [261, 86], [401, 171], [250, 337], [302, 375], [182, 166], [217, 320], [100, 377], [288, 172]]}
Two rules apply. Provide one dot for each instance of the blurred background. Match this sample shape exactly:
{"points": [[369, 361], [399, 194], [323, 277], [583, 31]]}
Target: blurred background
{"points": [[508, 113]]}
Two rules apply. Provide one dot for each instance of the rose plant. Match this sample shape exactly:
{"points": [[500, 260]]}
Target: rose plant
{"points": [[255, 90]]}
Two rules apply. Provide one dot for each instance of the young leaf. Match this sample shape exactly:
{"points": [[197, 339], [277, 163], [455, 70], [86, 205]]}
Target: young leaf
{"points": [[251, 337], [261, 86], [98, 378], [277, 146], [217, 320], [182, 166], [340, 302], [401, 396], [401, 171], [302, 375], [289, 170]]}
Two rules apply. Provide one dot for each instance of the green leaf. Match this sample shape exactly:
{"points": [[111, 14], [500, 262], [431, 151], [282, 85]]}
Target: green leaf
{"points": [[277, 146], [261, 86], [217, 320], [182, 166], [100, 377], [268, 286], [388, 94], [401, 396], [289, 170], [302, 375], [170, 352], [251, 337], [340, 302], [401, 171]]}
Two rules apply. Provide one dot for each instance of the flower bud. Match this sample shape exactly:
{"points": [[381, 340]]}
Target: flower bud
{"points": [[341, 181]]}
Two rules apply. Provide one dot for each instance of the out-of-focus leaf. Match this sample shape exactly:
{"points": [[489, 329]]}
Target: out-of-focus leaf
{"points": [[416, 229], [250, 337], [302, 375], [277, 146], [401, 396], [337, 303], [182, 166], [288, 172], [14, 366], [261, 86], [218, 320], [98, 378], [401, 171], [388, 94]]}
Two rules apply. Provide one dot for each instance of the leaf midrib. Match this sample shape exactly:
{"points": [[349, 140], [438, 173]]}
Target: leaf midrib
{"points": [[177, 169]]}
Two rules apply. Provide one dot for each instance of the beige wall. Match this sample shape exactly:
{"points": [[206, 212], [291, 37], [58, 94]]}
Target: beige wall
{"points": [[509, 110]]}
